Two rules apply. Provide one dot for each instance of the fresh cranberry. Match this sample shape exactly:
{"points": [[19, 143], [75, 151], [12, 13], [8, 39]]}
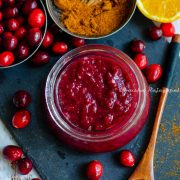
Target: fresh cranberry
{"points": [[48, 39], [137, 46], [94, 170], [1, 16], [6, 35], [22, 51], [155, 33], [8, 2], [59, 48], [12, 25], [29, 6], [12, 153], [22, 99], [6, 58], [34, 36], [24, 166], [153, 73], [168, 29], [77, 42], [40, 58], [36, 18], [10, 43], [141, 60], [1, 3], [1, 29], [20, 19], [21, 119], [10, 12], [20, 33], [127, 158]]}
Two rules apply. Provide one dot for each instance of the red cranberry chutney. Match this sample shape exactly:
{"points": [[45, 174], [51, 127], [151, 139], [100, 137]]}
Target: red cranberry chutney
{"points": [[96, 92]]}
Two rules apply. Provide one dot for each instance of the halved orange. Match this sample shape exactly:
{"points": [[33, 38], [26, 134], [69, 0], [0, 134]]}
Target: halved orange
{"points": [[160, 10]]}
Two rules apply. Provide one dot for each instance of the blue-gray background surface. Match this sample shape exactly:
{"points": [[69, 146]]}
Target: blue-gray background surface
{"points": [[55, 161]]}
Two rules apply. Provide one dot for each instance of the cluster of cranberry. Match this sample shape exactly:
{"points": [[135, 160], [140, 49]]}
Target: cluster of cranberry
{"points": [[57, 47], [20, 119], [94, 169], [152, 72], [21, 24]]}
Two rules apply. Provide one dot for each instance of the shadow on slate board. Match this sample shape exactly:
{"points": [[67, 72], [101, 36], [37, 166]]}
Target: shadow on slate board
{"points": [[55, 161]]}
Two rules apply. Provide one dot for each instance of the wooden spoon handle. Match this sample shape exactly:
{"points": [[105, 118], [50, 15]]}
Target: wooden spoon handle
{"points": [[144, 171]]}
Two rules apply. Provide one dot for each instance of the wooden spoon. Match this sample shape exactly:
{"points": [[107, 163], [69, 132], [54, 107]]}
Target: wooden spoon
{"points": [[144, 170]]}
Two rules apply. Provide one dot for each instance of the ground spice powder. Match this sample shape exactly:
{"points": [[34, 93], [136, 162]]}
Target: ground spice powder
{"points": [[92, 20]]}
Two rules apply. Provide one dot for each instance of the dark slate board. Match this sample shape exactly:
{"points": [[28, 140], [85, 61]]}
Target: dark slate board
{"points": [[55, 161]]}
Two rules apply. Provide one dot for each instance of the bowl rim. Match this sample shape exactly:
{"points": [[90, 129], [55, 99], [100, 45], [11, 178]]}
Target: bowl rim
{"points": [[45, 29], [134, 2]]}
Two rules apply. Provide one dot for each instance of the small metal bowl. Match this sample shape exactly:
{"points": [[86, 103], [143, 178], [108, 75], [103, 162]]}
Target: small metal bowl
{"points": [[36, 48], [55, 15]]}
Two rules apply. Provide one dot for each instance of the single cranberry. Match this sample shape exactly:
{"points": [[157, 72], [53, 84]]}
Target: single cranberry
{"points": [[10, 12], [10, 43], [59, 48], [137, 46], [168, 29], [1, 3], [20, 19], [1, 29], [126, 158], [20, 33], [22, 99], [22, 51], [8, 2], [29, 6], [41, 58], [153, 73], [48, 39], [141, 60], [36, 18], [6, 34], [77, 42], [24, 166], [21, 119], [34, 36], [12, 153], [155, 33], [12, 24], [1, 16], [6, 58], [94, 170]]}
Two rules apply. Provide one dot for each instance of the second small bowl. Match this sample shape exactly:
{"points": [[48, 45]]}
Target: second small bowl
{"points": [[55, 15]]}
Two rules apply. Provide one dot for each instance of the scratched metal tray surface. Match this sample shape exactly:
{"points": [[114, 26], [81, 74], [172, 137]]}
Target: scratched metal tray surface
{"points": [[54, 160]]}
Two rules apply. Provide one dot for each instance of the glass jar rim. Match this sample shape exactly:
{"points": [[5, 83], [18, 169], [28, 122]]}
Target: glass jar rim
{"points": [[83, 134]]}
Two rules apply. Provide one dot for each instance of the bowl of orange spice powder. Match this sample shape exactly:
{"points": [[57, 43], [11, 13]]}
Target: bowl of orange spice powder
{"points": [[91, 19]]}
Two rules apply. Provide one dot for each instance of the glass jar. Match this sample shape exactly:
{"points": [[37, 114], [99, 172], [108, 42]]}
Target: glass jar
{"points": [[96, 141]]}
